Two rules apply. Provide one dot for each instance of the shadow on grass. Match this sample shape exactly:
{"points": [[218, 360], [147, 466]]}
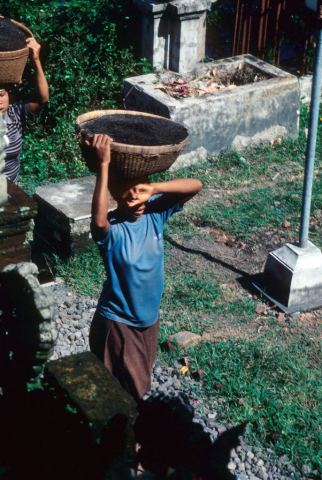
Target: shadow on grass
{"points": [[246, 281]]}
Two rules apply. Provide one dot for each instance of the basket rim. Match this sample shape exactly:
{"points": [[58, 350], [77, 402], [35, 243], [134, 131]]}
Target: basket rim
{"points": [[19, 53], [127, 148]]}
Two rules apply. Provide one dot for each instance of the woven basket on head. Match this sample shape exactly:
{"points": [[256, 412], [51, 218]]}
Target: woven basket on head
{"points": [[12, 64], [131, 161]]}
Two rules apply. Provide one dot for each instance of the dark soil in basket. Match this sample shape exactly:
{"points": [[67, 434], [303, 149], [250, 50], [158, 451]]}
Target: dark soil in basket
{"points": [[12, 38], [137, 129]]}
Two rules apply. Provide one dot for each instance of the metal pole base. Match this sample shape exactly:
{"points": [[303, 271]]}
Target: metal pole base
{"points": [[292, 277]]}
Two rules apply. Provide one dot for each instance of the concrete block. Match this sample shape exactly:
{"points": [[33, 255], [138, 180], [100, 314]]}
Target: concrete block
{"points": [[84, 380], [306, 88], [62, 225], [292, 277], [188, 159], [15, 216], [236, 118]]}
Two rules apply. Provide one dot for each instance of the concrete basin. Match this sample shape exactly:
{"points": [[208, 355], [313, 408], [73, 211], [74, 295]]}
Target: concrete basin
{"points": [[242, 117]]}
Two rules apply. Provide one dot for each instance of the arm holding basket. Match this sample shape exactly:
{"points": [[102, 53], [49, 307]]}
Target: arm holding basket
{"points": [[42, 89], [101, 149]]}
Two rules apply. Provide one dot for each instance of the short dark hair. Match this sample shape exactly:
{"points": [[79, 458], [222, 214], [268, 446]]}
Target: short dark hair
{"points": [[117, 185]]}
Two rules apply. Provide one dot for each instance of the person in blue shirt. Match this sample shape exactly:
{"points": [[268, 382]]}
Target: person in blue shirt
{"points": [[124, 330]]}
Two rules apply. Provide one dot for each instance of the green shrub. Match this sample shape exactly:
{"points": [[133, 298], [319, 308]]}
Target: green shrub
{"points": [[87, 50]]}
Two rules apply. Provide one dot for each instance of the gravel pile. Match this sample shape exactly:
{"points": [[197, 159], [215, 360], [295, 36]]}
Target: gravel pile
{"points": [[75, 313]]}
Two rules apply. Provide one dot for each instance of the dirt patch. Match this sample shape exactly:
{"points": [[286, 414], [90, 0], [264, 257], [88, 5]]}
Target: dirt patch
{"points": [[225, 329], [235, 263], [137, 129], [228, 262]]}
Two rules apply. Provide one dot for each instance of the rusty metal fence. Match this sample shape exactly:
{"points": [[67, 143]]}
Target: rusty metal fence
{"points": [[259, 22]]}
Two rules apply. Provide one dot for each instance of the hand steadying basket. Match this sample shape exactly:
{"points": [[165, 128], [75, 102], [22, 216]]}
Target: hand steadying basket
{"points": [[131, 161], [12, 64]]}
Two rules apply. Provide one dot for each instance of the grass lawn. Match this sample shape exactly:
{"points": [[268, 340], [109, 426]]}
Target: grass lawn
{"points": [[264, 370]]}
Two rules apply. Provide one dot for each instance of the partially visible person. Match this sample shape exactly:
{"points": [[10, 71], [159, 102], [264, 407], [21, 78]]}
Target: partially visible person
{"points": [[15, 115]]}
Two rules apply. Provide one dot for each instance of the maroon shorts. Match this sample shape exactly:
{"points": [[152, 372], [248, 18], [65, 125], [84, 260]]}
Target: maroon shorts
{"points": [[127, 352]]}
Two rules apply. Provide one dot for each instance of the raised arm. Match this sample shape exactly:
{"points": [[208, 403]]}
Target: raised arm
{"points": [[42, 90], [180, 190], [100, 146]]}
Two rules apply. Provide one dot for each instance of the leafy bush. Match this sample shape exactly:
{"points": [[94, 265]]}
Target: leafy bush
{"points": [[87, 50]]}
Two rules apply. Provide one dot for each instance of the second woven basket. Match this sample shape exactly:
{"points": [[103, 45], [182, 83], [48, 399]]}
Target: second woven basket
{"points": [[12, 64]]}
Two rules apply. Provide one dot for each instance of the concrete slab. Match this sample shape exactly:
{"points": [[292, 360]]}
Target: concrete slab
{"points": [[292, 277], [240, 117], [73, 198], [62, 225]]}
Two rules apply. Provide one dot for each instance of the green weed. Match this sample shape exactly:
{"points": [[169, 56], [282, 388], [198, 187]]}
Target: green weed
{"points": [[273, 385], [84, 273]]}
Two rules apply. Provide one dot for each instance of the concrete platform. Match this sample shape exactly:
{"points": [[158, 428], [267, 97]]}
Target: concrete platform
{"points": [[62, 225], [292, 278]]}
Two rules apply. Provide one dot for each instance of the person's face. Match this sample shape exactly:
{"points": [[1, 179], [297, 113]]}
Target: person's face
{"points": [[4, 101], [133, 198]]}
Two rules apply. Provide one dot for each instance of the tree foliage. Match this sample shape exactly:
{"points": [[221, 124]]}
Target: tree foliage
{"points": [[87, 50]]}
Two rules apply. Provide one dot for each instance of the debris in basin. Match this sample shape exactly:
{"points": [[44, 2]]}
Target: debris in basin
{"points": [[137, 129], [210, 82], [12, 38]]}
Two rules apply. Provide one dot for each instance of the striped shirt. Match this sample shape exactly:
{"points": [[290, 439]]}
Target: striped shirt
{"points": [[14, 118]]}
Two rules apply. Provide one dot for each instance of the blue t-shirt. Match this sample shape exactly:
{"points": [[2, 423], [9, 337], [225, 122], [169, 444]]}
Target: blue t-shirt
{"points": [[133, 258]]}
